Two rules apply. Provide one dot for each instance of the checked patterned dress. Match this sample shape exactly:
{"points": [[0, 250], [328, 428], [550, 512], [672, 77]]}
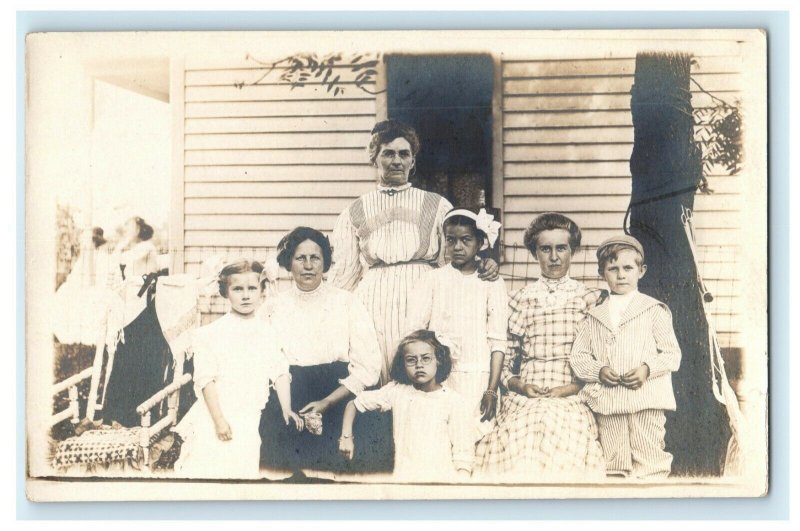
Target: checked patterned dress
{"points": [[543, 438]]}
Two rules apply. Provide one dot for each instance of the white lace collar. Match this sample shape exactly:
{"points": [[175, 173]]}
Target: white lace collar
{"points": [[301, 295], [565, 283]]}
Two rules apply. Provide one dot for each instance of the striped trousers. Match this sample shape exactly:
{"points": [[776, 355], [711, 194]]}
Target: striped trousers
{"points": [[633, 444]]}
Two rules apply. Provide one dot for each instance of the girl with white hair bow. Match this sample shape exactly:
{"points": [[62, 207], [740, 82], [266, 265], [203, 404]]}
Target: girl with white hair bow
{"points": [[471, 313]]}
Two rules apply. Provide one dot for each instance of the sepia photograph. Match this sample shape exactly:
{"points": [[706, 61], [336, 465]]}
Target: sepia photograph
{"points": [[396, 264]]}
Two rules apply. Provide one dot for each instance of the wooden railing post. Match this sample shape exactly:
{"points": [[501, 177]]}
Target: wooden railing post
{"points": [[74, 406], [144, 437]]}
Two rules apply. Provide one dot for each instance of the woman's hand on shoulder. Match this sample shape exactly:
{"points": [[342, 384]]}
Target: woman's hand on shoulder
{"points": [[488, 270]]}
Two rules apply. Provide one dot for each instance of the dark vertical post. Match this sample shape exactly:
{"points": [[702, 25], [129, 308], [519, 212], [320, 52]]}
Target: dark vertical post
{"points": [[666, 165]]}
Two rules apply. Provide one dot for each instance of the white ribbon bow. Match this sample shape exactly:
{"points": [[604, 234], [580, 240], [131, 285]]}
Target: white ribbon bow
{"points": [[270, 273], [209, 274], [485, 222]]}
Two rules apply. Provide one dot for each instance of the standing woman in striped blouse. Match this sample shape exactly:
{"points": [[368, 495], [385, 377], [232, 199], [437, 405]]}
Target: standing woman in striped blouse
{"points": [[386, 239], [543, 430]]}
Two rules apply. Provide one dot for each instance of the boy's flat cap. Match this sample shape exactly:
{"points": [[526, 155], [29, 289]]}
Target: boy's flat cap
{"points": [[622, 239]]}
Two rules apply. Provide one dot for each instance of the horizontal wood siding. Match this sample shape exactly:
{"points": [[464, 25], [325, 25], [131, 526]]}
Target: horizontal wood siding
{"points": [[567, 141], [262, 157]]}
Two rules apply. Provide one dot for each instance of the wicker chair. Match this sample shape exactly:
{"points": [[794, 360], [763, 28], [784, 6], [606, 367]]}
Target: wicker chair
{"points": [[101, 446]]}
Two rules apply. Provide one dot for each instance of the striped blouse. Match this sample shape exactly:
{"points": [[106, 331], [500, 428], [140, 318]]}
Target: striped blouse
{"points": [[472, 313], [645, 335], [387, 226]]}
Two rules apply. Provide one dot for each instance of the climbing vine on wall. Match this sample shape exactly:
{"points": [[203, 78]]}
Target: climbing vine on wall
{"points": [[718, 129], [337, 72]]}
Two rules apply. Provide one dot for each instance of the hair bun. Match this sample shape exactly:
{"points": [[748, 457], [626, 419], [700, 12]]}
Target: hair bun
{"points": [[385, 125]]}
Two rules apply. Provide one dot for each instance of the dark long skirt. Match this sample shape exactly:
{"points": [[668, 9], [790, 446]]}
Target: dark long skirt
{"points": [[283, 447], [139, 369]]}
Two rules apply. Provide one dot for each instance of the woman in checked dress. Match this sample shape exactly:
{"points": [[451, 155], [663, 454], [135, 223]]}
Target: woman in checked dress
{"points": [[543, 430]]}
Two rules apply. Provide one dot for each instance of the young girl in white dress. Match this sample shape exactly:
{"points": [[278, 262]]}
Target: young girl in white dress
{"points": [[470, 313], [434, 437], [235, 361]]}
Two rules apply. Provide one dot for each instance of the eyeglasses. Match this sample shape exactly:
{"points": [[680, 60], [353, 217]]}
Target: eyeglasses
{"points": [[411, 361]]}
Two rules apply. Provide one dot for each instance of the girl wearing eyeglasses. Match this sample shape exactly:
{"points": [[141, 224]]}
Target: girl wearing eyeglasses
{"points": [[434, 437]]}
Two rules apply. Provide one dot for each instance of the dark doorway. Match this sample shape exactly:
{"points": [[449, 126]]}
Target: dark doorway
{"points": [[448, 100]]}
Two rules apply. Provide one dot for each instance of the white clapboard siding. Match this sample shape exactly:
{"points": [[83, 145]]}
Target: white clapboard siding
{"points": [[279, 124], [716, 83], [559, 152], [229, 73], [233, 222], [262, 157], [254, 190], [588, 102], [567, 141], [276, 92], [563, 68], [560, 135], [612, 220], [587, 185], [265, 206], [278, 172], [241, 109], [522, 119], [325, 140], [570, 169], [268, 157]]}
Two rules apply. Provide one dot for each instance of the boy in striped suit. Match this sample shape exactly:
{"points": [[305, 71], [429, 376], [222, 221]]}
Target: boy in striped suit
{"points": [[626, 352]]}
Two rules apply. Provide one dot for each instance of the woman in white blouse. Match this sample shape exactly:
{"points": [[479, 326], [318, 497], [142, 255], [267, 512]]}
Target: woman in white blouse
{"points": [[137, 254], [386, 239], [327, 336]]}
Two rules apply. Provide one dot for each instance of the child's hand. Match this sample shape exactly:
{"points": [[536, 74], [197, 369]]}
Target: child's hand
{"points": [[346, 447], [634, 379], [609, 377], [534, 391], [224, 432], [297, 419], [488, 406]]}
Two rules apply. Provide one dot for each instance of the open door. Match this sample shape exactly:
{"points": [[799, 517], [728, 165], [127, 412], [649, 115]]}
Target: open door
{"points": [[448, 100]]}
